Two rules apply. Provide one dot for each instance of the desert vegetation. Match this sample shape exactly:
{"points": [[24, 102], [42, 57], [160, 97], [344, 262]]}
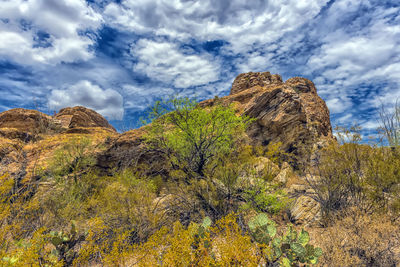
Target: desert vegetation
{"points": [[211, 199]]}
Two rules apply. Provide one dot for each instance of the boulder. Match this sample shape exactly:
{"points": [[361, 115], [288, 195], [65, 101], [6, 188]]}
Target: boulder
{"points": [[23, 124], [77, 117]]}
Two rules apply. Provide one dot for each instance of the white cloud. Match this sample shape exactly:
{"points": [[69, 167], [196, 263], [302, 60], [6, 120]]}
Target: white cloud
{"points": [[338, 104], [165, 62], [142, 97], [60, 21], [107, 102], [243, 24], [358, 60], [372, 53]]}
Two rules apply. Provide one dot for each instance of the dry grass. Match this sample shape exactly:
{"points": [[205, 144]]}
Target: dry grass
{"points": [[360, 240]]}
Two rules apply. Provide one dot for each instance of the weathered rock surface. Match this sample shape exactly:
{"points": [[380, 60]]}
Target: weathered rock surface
{"points": [[248, 80], [23, 119], [289, 112], [81, 117], [19, 123], [124, 151], [28, 138]]}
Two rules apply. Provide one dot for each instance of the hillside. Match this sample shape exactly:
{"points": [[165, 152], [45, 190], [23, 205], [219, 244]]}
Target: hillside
{"points": [[231, 180]]}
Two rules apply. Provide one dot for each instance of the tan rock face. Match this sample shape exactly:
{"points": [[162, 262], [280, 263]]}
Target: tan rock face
{"points": [[19, 123], [28, 137], [248, 80], [81, 117], [289, 112], [23, 119]]}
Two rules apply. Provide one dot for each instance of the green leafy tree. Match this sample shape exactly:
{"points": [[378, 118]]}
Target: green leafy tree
{"points": [[192, 136]]}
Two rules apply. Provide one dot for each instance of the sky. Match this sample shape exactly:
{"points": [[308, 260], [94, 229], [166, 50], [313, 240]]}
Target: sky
{"points": [[119, 57]]}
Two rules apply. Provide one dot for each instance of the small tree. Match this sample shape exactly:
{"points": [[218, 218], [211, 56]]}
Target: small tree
{"points": [[191, 136]]}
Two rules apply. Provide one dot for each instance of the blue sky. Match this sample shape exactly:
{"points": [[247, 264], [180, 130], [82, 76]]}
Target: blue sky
{"points": [[118, 57]]}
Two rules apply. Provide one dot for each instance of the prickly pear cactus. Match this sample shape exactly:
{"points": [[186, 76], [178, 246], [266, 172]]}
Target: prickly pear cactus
{"points": [[262, 228], [297, 249], [290, 250], [203, 227], [64, 242]]}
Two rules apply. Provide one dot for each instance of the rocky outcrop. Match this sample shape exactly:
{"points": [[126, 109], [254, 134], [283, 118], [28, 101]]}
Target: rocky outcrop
{"points": [[23, 119], [289, 112], [79, 116], [28, 138], [26, 124], [248, 80], [23, 124], [124, 151], [128, 150]]}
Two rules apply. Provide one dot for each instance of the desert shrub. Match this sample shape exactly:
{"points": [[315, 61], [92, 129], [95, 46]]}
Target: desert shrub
{"points": [[203, 148], [126, 202], [220, 245], [32, 252], [390, 124], [226, 244], [233, 184], [73, 156], [104, 245], [68, 199], [276, 154], [356, 175], [18, 210], [360, 240], [6, 186], [265, 199]]}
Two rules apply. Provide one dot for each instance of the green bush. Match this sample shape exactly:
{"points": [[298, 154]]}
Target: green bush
{"points": [[191, 136]]}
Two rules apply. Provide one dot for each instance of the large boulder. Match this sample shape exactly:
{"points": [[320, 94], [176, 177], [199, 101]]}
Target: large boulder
{"points": [[23, 124], [78, 117]]}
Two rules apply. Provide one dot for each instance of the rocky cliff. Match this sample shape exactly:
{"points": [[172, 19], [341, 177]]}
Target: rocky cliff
{"points": [[289, 112]]}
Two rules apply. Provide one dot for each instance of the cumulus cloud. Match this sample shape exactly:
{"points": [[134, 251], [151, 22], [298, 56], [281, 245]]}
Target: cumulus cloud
{"points": [[107, 102], [165, 62], [350, 58], [242, 24], [356, 67], [46, 31], [141, 97]]}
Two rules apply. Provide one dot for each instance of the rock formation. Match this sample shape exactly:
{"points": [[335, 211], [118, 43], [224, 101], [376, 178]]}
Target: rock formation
{"points": [[81, 117], [29, 137], [248, 80], [23, 124], [289, 112]]}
